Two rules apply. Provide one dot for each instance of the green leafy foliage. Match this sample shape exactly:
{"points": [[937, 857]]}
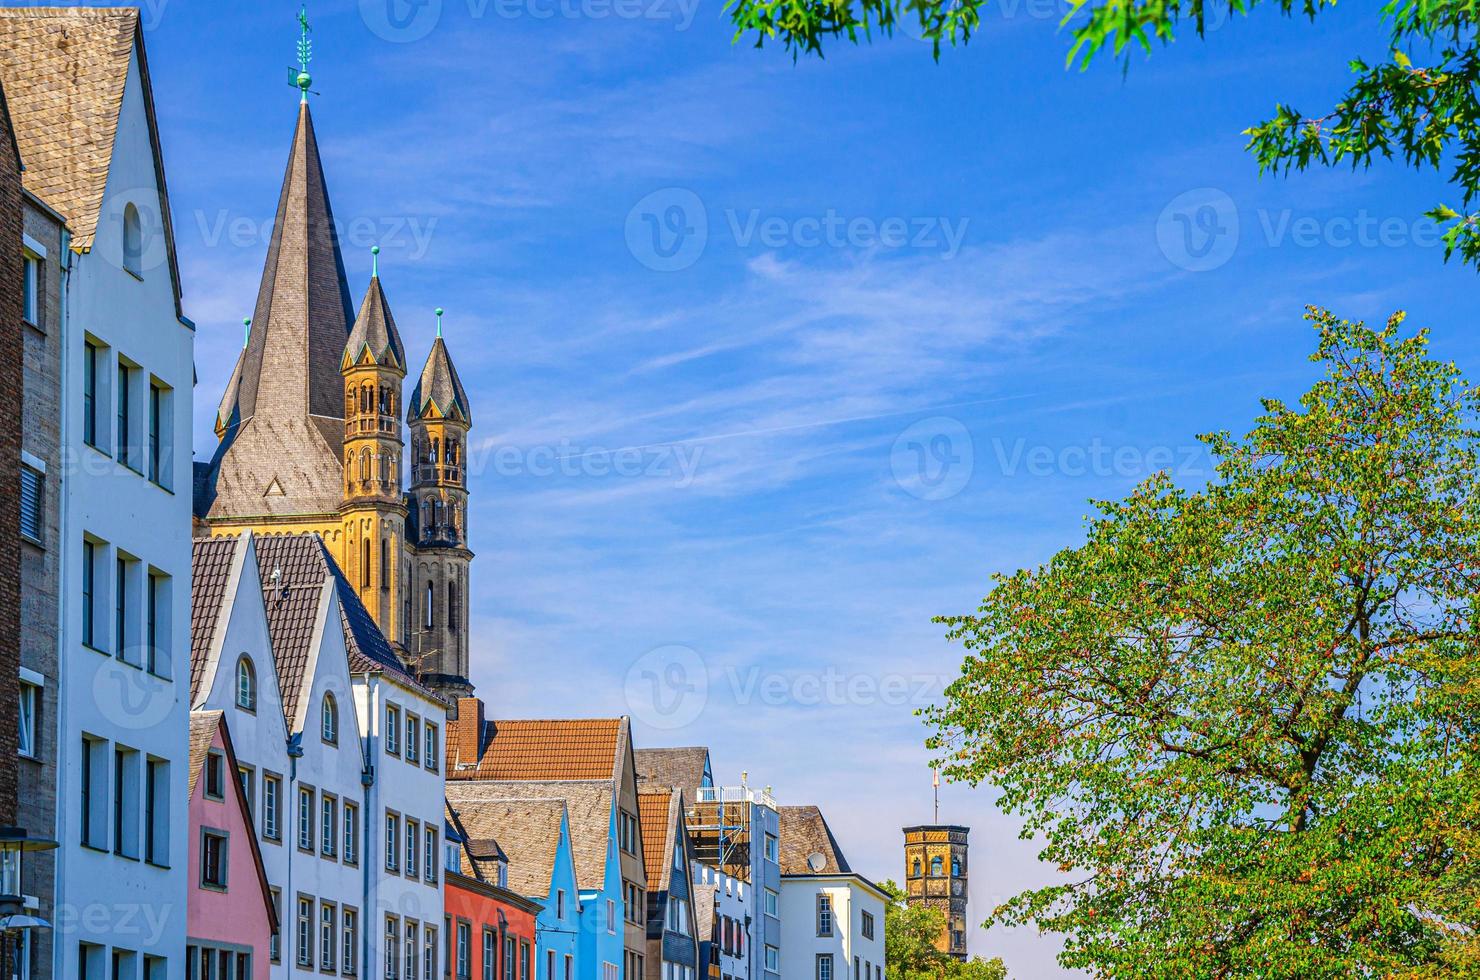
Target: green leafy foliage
{"points": [[910, 936], [1245, 719]]}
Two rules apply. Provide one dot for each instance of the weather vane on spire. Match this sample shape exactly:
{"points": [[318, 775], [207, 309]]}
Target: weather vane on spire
{"points": [[301, 79]]}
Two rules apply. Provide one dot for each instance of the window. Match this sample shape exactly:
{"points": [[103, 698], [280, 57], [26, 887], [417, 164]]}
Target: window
{"points": [[125, 414], [157, 812], [392, 946], [429, 953], [350, 927], [385, 567], [490, 954], [634, 902], [246, 684], [508, 957], [452, 617], [365, 543], [523, 960], [857, 969], [432, 742], [627, 832], [773, 959], [955, 867], [122, 623], [90, 357], [464, 941], [678, 915], [560, 903], [274, 943], [328, 825], [412, 949], [328, 935], [915, 868], [935, 866], [305, 931], [771, 850], [133, 242], [772, 902], [429, 858], [867, 925], [570, 967], [824, 915], [246, 777], [156, 624], [94, 788], [392, 842], [351, 833], [31, 288], [824, 966], [392, 729], [125, 802], [305, 818], [26, 713], [157, 467], [89, 594], [430, 604], [329, 720], [611, 917], [213, 854], [413, 841], [413, 738], [33, 497], [272, 802], [549, 964]]}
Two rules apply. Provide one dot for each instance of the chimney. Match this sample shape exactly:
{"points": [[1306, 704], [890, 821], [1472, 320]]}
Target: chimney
{"points": [[465, 735]]}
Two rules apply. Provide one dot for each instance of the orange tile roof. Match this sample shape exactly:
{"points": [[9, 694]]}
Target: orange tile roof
{"points": [[547, 749], [655, 816]]}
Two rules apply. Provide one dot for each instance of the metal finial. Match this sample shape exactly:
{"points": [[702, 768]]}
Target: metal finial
{"points": [[246, 330], [439, 321], [305, 54], [374, 261]]}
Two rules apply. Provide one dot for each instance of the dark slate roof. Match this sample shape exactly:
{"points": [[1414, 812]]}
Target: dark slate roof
{"points": [[438, 391], [681, 768], [282, 454], [528, 830], [227, 414], [210, 576], [804, 832], [587, 804], [375, 331], [305, 568]]}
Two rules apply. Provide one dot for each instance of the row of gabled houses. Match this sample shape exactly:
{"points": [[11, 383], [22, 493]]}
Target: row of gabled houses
{"points": [[246, 745]]}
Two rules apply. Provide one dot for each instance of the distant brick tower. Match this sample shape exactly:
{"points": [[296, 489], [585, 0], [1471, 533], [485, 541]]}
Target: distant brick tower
{"points": [[374, 514], [439, 417], [935, 875]]}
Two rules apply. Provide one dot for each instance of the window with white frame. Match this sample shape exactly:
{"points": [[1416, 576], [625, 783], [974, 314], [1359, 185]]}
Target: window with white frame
{"points": [[464, 949], [431, 754], [412, 949], [351, 833], [349, 925], [33, 503], [413, 842], [31, 287], [824, 915], [429, 857], [305, 931], [773, 959], [272, 806], [392, 842], [392, 947], [246, 684], [30, 701], [328, 825], [305, 818], [329, 720], [490, 954], [771, 903], [328, 935], [428, 953], [392, 729], [772, 852], [824, 969], [413, 739]]}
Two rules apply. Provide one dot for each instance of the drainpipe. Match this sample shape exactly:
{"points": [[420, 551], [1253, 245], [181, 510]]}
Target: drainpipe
{"points": [[288, 951], [368, 748], [64, 340]]}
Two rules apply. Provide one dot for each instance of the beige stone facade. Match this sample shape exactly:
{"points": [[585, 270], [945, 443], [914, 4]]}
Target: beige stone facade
{"points": [[935, 871]]}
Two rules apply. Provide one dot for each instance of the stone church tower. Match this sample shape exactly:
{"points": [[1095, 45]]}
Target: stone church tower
{"points": [[311, 438]]}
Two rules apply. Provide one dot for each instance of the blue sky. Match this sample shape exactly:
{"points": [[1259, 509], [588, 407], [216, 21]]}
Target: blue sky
{"points": [[772, 362]]}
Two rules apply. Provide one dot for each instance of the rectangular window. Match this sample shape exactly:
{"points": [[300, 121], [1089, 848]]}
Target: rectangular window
{"points": [[464, 950], [560, 903], [26, 734], [392, 947], [772, 902], [157, 812], [328, 935], [351, 833], [275, 943], [156, 624], [413, 948], [392, 729], [430, 756], [627, 832], [158, 448], [413, 841], [33, 499], [549, 964], [857, 969], [328, 825], [867, 925], [31, 288], [90, 358], [773, 959], [272, 802], [305, 931], [429, 857], [508, 963], [213, 854], [490, 955], [305, 819], [126, 454], [413, 738], [824, 915], [570, 967], [523, 960], [246, 778], [94, 790], [392, 842], [824, 966], [215, 776], [349, 955], [611, 917], [429, 953], [772, 853], [125, 802], [89, 592], [121, 619]]}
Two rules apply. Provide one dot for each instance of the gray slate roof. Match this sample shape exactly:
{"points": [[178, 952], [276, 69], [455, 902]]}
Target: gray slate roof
{"points": [[804, 832], [528, 832], [588, 804], [439, 386], [678, 768], [210, 576], [375, 330]]}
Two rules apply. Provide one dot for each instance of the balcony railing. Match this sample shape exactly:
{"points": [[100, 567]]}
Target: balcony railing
{"points": [[360, 425], [734, 794], [434, 473]]}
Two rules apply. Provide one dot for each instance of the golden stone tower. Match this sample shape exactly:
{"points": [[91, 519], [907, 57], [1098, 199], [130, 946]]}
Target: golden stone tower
{"points": [[935, 875]]}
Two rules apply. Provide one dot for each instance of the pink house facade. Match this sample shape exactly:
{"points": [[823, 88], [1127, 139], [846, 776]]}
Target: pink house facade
{"points": [[230, 918]]}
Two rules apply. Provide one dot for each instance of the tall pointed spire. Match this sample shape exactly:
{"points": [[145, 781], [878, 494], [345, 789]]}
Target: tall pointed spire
{"points": [[374, 332], [302, 318], [439, 392]]}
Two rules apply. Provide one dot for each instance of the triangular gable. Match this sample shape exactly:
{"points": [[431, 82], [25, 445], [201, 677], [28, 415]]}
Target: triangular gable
{"points": [[234, 787]]}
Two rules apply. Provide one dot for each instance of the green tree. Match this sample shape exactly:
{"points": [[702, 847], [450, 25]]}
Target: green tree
{"points": [[1420, 104], [1244, 719], [910, 935]]}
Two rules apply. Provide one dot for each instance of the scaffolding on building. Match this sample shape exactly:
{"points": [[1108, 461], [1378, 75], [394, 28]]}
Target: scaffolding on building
{"points": [[719, 823]]}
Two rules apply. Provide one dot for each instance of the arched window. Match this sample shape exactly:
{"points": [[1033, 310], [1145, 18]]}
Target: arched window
{"points": [[385, 468], [365, 563], [133, 241], [365, 464], [426, 515], [385, 565], [955, 867], [431, 604], [916, 871], [349, 400], [246, 684], [437, 514], [329, 720], [935, 866]]}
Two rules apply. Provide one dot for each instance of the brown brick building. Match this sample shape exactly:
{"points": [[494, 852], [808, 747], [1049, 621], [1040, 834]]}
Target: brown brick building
{"points": [[935, 875]]}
